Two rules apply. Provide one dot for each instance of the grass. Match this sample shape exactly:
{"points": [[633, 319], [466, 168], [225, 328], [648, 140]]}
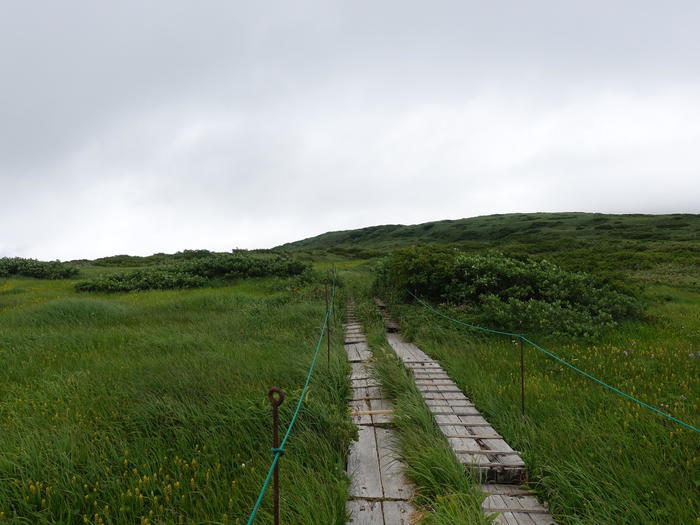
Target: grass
{"points": [[594, 456], [150, 407]]}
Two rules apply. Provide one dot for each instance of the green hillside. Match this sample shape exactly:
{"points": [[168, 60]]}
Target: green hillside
{"points": [[580, 241], [512, 227]]}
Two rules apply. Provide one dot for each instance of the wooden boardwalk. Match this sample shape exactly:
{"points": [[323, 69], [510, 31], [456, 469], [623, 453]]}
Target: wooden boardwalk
{"points": [[379, 491], [475, 443]]}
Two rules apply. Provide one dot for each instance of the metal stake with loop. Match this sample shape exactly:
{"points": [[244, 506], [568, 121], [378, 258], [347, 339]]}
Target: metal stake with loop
{"points": [[276, 397]]}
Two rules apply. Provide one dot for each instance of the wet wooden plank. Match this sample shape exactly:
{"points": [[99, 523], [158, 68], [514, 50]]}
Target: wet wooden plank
{"points": [[449, 396], [357, 409], [398, 513], [394, 481], [363, 466], [370, 392], [360, 371], [382, 419], [364, 512], [357, 352], [458, 411], [363, 383]]}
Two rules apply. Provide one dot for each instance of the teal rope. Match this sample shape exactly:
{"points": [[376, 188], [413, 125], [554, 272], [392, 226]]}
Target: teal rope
{"points": [[562, 361], [278, 452], [488, 330]]}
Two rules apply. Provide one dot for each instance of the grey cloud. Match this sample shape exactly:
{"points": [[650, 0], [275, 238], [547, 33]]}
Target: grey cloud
{"points": [[154, 126]]}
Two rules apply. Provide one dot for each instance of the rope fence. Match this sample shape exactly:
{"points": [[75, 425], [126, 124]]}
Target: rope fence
{"points": [[278, 452], [556, 358]]}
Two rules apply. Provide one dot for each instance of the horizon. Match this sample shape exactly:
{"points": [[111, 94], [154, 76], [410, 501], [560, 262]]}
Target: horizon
{"points": [[147, 254]]}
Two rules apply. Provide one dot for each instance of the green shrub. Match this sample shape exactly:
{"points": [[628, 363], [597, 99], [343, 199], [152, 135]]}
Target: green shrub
{"points": [[34, 268], [196, 272], [150, 279], [508, 293]]}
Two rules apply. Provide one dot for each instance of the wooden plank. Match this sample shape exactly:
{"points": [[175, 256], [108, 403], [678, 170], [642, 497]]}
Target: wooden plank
{"points": [[384, 412], [398, 513], [363, 383], [441, 389], [491, 471], [508, 490], [457, 411], [360, 371], [363, 466], [500, 520], [357, 406], [394, 481], [542, 519], [353, 354], [369, 392], [363, 351], [450, 396], [448, 419], [364, 512], [371, 412], [508, 455], [426, 375], [473, 420]]}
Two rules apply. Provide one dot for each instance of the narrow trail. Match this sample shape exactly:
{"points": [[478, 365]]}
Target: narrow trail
{"points": [[379, 491], [476, 444]]}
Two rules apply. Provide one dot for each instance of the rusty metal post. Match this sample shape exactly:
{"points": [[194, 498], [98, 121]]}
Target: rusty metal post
{"points": [[335, 280], [522, 381], [276, 397], [328, 327]]}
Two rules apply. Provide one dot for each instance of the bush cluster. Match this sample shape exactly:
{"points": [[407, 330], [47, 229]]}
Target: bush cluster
{"points": [[33, 268], [194, 273], [507, 293]]}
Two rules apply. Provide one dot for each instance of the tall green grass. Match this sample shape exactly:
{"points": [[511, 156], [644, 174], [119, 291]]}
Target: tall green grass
{"points": [[150, 407]]}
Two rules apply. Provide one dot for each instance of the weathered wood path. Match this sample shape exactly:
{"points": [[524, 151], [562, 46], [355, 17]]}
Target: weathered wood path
{"points": [[379, 492], [476, 444]]}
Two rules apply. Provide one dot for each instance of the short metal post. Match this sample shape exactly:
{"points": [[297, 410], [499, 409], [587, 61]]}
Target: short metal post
{"points": [[276, 397], [522, 381], [328, 331], [335, 280]]}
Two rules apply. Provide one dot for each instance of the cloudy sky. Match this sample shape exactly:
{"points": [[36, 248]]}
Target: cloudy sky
{"points": [[147, 126]]}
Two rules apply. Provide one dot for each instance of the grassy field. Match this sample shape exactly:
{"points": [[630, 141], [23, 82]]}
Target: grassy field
{"points": [[150, 407]]}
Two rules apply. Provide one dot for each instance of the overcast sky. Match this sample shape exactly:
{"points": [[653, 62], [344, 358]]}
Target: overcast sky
{"points": [[155, 126]]}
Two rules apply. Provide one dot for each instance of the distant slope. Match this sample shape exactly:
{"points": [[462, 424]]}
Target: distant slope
{"points": [[578, 241], [508, 228]]}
